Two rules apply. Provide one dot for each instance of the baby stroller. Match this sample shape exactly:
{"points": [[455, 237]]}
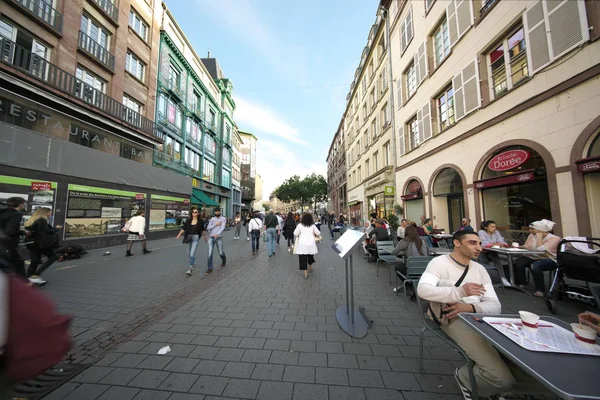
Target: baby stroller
{"points": [[577, 259]]}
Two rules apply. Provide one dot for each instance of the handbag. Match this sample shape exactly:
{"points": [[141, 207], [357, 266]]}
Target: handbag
{"points": [[264, 236], [38, 337], [318, 238], [296, 243], [187, 239], [126, 227]]}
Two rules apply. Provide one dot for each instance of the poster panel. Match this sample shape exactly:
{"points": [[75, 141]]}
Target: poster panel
{"points": [[168, 212], [37, 193], [94, 211]]}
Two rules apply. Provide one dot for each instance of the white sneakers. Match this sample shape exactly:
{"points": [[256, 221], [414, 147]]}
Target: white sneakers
{"points": [[248, 239], [505, 282], [189, 271], [37, 280]]}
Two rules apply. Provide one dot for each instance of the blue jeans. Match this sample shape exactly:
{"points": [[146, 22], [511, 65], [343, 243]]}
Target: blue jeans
{"points": [[193, 247], [271, 239], [255, 236], [211, 245], [537, 270]]}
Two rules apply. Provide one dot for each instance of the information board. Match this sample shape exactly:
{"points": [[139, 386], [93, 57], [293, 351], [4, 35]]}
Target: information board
{"points": [[350, 240], [168, 212], [37, 193], [94, 211]]}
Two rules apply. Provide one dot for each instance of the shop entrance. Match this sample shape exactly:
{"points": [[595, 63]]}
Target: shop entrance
{"points": [[590, 167], [448, 189], [515, 191], [414, 205]]}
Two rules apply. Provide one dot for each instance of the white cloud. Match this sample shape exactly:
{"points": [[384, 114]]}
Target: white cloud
{"points": [[276, 162], [257, 118]]}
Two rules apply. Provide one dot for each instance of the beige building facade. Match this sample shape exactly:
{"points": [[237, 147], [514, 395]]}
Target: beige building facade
{"points": [[337, 173], [497, 112], [367, 127]]}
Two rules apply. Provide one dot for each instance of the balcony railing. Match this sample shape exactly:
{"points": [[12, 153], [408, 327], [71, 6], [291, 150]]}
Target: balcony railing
{"points": [[96, 50], [109, 8], [43, 11], [166, 161], [37, 67]]}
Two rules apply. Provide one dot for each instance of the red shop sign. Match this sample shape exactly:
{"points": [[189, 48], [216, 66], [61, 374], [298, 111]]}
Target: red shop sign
{"points": [[508, 160], [37, 186], [588, 165], [410, 196], [139, 196], [513, 179]]}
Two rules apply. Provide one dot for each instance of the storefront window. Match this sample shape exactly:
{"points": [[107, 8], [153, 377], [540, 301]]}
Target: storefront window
{"points": [[447, 182], [595, 147], [447, 201], [413, 201]]}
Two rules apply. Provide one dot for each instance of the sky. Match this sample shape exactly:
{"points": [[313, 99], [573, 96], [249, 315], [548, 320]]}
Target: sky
{"points": [[291, 64]]}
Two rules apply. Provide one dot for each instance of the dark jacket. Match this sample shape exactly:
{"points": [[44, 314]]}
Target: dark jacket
{"points": [[289, 226], [190, 229], [380, 234], [467, 228], [10, 225], [271, 221], [43, 234]]}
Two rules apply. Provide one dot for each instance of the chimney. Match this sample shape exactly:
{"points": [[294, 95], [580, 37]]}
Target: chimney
{"points": [[208, 54]]}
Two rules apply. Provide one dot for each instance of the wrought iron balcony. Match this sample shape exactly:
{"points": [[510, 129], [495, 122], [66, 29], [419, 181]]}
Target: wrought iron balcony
{"points": [[96, 50], [109, 8], [37, 67], [42, 10]]}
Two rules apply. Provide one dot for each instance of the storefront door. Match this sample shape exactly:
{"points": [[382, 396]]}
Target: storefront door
{"points": [[455, 212]]}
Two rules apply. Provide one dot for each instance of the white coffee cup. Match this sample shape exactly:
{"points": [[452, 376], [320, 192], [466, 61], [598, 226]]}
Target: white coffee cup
{"points": [[585, 334], [529, 320], [515, 244]]}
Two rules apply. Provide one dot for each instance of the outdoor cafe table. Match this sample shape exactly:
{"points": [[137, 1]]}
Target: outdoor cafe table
{"points": [[569, 376], [510, 253]]}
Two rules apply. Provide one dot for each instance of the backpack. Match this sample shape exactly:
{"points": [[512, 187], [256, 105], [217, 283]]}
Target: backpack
{"points": [[38, 337]]}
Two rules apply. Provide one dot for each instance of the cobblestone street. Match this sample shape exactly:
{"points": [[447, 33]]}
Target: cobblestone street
{"points": [[255, 329]]}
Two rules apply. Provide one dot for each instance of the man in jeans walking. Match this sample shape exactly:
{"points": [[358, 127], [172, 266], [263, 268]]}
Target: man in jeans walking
{"points": [[215, 229], [272, 225]]}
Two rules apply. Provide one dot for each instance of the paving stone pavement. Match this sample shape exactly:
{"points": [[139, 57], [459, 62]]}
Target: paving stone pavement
{"points": [[255, 329]]}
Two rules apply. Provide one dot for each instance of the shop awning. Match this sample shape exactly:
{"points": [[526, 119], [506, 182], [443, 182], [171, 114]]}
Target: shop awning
{"points": [[354, 202], [198, 196]]}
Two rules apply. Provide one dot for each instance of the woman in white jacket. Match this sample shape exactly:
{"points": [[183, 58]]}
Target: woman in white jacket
{"points": [[136, 229], [306, 231]]}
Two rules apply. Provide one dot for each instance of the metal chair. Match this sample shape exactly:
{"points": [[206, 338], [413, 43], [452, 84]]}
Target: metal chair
{"points": [[384, 255], [415, 266], [433, 327]]}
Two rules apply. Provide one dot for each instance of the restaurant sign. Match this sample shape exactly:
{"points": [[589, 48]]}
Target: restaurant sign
{"points": [[513, 179], [588, 165], [508, 160]]}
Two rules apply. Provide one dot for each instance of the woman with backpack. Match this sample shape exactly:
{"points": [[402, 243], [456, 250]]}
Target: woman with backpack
{"points": [[43, 241]]}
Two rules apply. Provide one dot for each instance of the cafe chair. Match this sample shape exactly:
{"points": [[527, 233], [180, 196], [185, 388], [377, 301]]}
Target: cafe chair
{"points": [[384, 255], [415, 266], [431, 326]]}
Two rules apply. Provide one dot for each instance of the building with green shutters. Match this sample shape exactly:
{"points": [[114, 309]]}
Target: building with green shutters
{"points": [[194, 108]]}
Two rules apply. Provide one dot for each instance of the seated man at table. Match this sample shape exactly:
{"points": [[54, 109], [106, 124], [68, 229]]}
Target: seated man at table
{"points": [[465, 225], [336, 228], [455, 284], [377, 234], [540, 239]]}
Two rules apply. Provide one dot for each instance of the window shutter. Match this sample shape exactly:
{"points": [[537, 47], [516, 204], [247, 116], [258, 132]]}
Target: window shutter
{"points": [[399, 91], [422, 62], [464, 16], [426, 121], [459, 105], [401, 143], [416, 66], [470, 87], [452, 23], [567, 26], [536, 37], [420, 126], [402, 37]]}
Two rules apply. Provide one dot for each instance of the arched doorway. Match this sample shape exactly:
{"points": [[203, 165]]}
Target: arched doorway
{"points": [[590, 168], [414, 205], [448, 199], [514, 190]]}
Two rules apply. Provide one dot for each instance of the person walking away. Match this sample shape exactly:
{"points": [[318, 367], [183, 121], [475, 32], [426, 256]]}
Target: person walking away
{"points": [[289, 226], [247, 219], [44, 243], [137, 227], [540, 239], [191, 230], [238, 226], [272, 227], [491, 237], [455, 284], [307, 245], [215, 229], [279, 226], [255, 225], [10, 226]]}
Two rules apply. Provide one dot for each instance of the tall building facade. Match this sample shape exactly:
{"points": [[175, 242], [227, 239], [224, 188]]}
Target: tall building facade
{"points": [[195, 111], [366, 132], [248, 170], [336, 174], [77, 90], [496, 112], [236, 172]]}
